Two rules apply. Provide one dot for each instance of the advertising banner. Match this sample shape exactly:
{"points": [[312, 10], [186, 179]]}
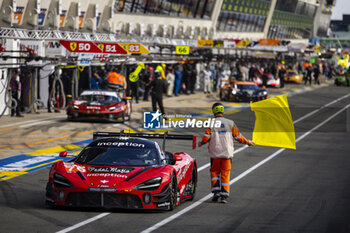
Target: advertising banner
{"points": [[54, 49]]}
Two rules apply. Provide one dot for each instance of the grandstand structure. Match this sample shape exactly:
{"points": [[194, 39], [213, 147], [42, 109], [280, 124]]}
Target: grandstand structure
{"points": [[181, 19]]}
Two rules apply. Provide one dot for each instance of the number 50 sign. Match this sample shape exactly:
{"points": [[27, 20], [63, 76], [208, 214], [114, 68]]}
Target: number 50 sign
{"points": [[80, 46]]}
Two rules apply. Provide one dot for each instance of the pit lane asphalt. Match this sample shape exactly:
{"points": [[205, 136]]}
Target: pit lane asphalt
{"points": [[305, 190]]}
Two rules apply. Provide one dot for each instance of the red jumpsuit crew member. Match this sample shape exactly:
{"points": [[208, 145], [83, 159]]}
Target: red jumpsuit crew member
{"points": [[221, 150]]}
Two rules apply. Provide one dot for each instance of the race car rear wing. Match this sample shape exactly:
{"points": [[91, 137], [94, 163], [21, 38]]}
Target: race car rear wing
{"points": [[165, 136]]}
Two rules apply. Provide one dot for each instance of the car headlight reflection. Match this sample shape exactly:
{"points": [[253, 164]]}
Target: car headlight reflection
{"points": [[150, 184], [114, 108]]}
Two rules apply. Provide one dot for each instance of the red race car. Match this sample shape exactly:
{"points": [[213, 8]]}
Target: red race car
{"points": [[100, 104], [130, 172]]}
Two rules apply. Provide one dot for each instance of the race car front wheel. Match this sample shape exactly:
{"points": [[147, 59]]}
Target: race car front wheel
{"points": [[173, 197], [193, 183]]}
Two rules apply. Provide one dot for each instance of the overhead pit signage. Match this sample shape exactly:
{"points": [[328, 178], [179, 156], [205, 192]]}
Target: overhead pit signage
{"points": [[229, 43], [111, 48], [134, 48], [84, 59], [80, 46], [269, 42], [218, 43], [205, 43], [243, 43], [62, 17], [41, 17], [182, 50], [18, 14]]}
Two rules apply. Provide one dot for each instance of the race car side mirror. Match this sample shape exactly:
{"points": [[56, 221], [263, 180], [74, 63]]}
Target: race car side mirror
{"points": [[178, 158], [64, 154]]}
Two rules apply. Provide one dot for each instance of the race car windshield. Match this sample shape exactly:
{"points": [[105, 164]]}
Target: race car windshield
{"points": [[117, 156], [248, 87], [107, 99]]}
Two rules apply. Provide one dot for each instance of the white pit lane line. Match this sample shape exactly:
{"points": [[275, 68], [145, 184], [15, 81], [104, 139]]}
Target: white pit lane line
{"points": [[205, 198]]}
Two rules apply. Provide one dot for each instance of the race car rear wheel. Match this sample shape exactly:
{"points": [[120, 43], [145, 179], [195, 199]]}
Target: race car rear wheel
{"points": [[173, 197]]}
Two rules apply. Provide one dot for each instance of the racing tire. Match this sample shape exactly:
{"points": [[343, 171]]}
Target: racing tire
{"points": [[174, 190], [193, 183]]}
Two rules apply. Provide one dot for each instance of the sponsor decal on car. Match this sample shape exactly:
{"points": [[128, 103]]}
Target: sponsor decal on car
{"points": [[164, 204], [110, 170], [129, 144], [102, 190], [107, 175]]}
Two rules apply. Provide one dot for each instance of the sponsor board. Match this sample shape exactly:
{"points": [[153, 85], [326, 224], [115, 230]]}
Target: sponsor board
{"points": [[54, 49], [84, 59]]}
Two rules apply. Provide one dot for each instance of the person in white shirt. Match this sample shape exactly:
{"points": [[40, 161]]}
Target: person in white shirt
{"points": [[207, 79], [170, 77]]}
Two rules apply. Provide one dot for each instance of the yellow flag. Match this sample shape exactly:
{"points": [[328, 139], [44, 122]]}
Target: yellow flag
{"points": [[273, 124]]}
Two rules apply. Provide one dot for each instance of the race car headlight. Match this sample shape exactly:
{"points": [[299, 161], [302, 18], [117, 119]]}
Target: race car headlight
{"points": [[61, 181], [150, 184], [264, 93], [234, 92], [76, 107], [114, 108]]}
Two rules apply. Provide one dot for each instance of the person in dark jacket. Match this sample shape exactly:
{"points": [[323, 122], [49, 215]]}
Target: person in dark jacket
{"points": [[317, 74], [16, 93], [158, 87]]}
